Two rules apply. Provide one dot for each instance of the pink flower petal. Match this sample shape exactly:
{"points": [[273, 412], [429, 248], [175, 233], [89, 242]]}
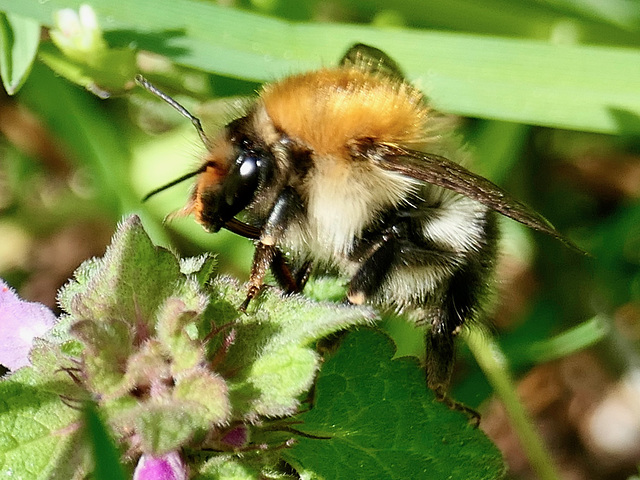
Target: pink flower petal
{"points": [[20, 323], [166, 467]]}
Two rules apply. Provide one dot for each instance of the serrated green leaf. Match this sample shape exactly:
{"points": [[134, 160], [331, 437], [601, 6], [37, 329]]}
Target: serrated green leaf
{"points": [[38, 432], [381, 422], [207, 389], [129, 281], [19, 40], [108, 346], [202, 267], [281, 376], [176, 328], [271, 357], [81, 277], [52, 364], [228, 467], [165, 426]]}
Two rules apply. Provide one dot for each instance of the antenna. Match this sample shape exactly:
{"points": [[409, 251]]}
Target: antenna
{"points": [[174, 182], [144, 83]]}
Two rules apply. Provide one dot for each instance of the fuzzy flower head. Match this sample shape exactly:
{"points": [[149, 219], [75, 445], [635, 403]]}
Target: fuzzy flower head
{"points": [[158, 345]]}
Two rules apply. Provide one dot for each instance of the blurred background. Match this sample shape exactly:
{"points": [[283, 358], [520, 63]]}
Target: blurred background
{"points": [[73, 164]]}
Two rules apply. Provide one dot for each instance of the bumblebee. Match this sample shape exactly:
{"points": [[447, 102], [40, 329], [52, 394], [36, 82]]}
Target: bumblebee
{"points": [[349, 168]]}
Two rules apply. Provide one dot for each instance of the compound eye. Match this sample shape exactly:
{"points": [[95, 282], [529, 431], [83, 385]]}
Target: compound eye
{"points": [[243, 181], [223, 201], [249, 169]]}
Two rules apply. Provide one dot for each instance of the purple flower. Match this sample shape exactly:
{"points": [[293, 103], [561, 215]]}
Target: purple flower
{"points": [[20, 323], [165, 467]]}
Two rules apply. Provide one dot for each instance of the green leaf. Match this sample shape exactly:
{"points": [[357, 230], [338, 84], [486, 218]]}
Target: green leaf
{"points": [[164, 426], [106, 456], [108, 345], [228, 467], [176, 327], [39, 434], [131, 277], [325, 288], [19, 40], [271, 357], [202, 267], [568, 85], [381, 422], [207, 390]]}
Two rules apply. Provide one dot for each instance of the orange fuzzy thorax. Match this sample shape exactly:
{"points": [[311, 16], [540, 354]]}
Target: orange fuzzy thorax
{"points": [[329, 109]]}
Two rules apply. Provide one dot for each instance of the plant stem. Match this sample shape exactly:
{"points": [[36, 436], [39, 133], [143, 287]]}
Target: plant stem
{"points": [[495, 367]]}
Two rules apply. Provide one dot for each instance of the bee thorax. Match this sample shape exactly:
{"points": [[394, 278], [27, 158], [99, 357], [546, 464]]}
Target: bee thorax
{"points": [[342, 200]]}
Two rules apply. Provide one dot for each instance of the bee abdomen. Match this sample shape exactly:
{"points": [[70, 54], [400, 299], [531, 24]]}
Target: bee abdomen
{"points": [[412, 260]]}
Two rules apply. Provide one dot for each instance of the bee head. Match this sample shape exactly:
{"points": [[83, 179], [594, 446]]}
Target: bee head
{"points": [[231, 177]]}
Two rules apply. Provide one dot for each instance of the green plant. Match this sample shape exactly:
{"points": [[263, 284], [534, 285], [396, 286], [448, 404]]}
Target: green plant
{"points": [[585, 79]]}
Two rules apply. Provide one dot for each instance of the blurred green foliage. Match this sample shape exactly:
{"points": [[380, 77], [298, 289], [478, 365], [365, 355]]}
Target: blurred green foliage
{"points": [[516, 69]]}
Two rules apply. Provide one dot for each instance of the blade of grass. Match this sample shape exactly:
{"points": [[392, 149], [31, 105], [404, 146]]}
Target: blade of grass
{"points": [[494, 365], [566, 86], [106, 456], [575, 339], [609, 23], [621, 13]]}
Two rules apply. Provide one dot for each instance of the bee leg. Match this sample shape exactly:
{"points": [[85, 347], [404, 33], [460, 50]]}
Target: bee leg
{"points": [[440, 351], [445, 321], [302, 275], [291, 281], [460, 304], [374, 270], [286, 207], [262, 259], [473, 415]]}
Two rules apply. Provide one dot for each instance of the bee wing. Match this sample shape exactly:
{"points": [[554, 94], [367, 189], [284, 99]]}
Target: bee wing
{"points": [[371, 60], [444, 173]]}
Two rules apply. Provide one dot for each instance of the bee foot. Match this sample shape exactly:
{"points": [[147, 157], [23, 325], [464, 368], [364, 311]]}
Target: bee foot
{"points": [[472, 415]]}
